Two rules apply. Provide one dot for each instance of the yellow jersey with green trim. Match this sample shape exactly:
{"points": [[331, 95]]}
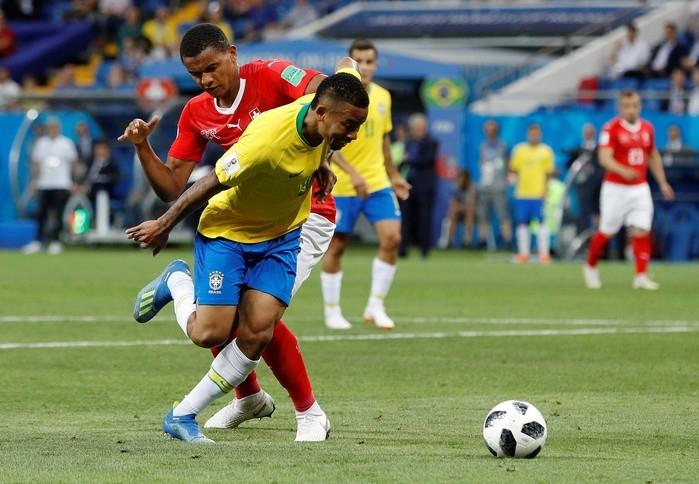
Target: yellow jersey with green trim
{"points": [[269, 170], [365, 153], [532, 164]]}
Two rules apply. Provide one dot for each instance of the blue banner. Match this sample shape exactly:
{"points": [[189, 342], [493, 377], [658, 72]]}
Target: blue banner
{"points": [[405, 22]]}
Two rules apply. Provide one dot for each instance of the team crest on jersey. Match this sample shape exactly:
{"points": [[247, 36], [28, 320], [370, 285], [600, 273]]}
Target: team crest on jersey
{"points": [[215, 282], [254, 113], [293, 75], [210, 133]]}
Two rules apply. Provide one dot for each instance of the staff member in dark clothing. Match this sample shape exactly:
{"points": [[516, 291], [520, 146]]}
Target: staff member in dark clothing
{"points": [[421, 158]]}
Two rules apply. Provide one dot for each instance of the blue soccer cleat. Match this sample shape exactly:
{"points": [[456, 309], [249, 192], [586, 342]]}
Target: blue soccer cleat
{"points": [[152, 298], [185, 428]]}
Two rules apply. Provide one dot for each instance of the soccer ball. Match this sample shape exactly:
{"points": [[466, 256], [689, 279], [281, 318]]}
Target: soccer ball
{"points": [[514, 429]]}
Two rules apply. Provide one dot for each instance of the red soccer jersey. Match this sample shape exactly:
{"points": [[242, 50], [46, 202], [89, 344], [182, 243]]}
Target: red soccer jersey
{"points": [[264, 85], [631, 146]]}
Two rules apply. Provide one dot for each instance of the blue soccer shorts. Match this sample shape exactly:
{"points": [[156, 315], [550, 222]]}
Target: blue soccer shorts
{"points": [[223, 269], [528, 209], [378, 206]]}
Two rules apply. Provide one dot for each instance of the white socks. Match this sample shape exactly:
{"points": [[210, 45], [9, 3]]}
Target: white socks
{"points": [[330, 285], [543, 237], [382, 275], [523, 239], [182, 290], [228, 370], [312, 410]]}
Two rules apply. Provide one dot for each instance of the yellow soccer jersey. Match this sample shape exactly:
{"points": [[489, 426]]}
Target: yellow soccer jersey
{"points": [[269, 171], [365, 153], [532, 164]]}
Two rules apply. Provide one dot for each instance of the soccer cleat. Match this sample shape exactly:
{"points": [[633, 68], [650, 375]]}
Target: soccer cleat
{"points": [[521, 258], [151, 299], [591, 277], [54, 248], [184, 427], [312, 425], [335, 320], [642, 281], [544, 259], [32, 247], [258, 405], [376, 314]]}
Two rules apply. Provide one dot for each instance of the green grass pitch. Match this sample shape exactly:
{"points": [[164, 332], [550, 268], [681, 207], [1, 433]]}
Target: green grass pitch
{"points": [[615, 372]]}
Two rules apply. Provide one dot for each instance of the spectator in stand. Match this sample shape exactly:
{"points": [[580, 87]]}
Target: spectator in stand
{"points": [[23, 9], [213, 14], [674, 139], [54, 167], [131, 26], [64, 79], [84, 10], [461, 210], [676, 102], [398, 148], [421, 159], [693, 104], [8, 42], [9, 91], [83, 142], [491, 189], [118, 79], [667, 55], [102, 172], [162, 33], [588, 182], [262, 16], [301, 14], [631, 55]]}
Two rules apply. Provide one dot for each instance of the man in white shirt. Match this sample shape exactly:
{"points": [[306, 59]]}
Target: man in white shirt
{"points": [[631, 55], [54, 165]]}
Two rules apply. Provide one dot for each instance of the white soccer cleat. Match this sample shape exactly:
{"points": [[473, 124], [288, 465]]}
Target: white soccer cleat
{"points": [[32, 247], [259, 405], [312, 425], [591, 277], [376, 314], [55, 248], [642, 281], [335, 320]]}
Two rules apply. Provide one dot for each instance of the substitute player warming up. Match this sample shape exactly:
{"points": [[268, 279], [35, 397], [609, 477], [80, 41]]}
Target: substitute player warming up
{"points": [[626, 151]]}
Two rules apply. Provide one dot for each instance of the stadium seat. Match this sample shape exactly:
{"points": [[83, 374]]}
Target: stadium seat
{"points": [[679, 243]]}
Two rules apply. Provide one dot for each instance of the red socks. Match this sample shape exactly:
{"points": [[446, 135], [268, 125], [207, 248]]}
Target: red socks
{"points": [[641, 252], [597, 245], [284, 358]]}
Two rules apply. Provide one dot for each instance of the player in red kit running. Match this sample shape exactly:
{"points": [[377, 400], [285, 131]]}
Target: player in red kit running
{"points": [[626, 151], [232, 97]]}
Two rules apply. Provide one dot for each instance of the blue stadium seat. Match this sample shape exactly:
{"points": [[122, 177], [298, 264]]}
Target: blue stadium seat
{"points": [[680, 241]]}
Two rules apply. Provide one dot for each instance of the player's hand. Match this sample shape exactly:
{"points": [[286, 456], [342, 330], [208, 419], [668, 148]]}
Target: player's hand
{"points": [[359, 184], [326, 179], [149, 234], [401, 187], [667, 191], [628, 174], [138, 130], [347, 62]]}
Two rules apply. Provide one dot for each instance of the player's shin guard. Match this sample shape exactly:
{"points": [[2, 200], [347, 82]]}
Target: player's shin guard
{"points": [[283, 356], [641, 253], [597, 245], [228, 370]]}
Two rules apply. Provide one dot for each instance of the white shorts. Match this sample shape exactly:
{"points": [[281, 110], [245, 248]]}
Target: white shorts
{"points": [[316, 234], [625, 205]]}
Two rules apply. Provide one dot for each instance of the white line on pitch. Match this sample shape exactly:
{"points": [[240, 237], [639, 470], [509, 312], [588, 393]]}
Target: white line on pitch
{"points": [[409, 320], [373, 337]]}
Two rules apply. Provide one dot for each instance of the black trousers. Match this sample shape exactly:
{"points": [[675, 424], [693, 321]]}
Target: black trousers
{"points": [[417, 218], [51, 203]]}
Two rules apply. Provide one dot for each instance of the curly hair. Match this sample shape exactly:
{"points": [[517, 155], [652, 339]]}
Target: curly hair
{"points": [[342, 87], [201, 36]]}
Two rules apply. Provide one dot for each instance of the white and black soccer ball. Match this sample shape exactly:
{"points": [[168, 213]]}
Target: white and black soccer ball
{"points": [[514, 429]]}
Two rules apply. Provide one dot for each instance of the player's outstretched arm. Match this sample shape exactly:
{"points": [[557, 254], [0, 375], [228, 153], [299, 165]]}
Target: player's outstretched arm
{"points": [[656, 167], [154, 233], [169, 179]]}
